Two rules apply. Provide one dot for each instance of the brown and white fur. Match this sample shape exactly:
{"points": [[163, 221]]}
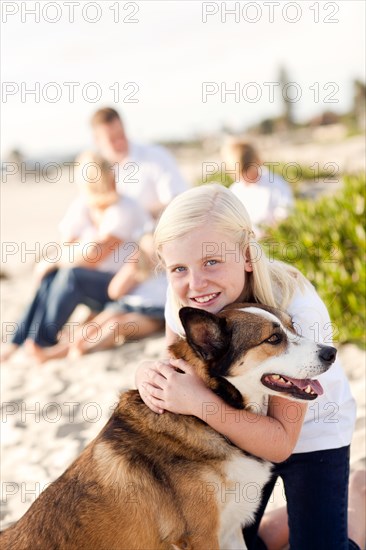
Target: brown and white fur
{"points": [[170, 481]]}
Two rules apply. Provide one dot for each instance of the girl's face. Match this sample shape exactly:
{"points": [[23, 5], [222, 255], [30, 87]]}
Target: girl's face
{"points": [[206, 269]]}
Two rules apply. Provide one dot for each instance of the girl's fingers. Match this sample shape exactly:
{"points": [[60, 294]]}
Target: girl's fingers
{"points": [[154, 409], [151, 402], [156, 403], [156, 379], [153, 391], [155, 368]]}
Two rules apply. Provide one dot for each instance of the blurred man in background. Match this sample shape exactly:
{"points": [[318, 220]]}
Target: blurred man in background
{"points": [[147, 173]]}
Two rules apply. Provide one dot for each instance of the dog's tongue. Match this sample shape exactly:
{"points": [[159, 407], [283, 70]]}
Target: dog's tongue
{"points": [[302, 384]]}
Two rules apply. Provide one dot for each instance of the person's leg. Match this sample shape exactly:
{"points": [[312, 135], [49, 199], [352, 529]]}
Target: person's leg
{"points": [[133, 326], [114, 329], [69, 288], [64, 347], [274, 531], [316, 486], [27, 325], [44, 354], [91, 334], [357, 508]]}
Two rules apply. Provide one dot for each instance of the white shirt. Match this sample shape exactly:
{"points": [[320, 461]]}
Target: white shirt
{"points": [[267, 201], [125, 220], [150, 175], [330, 419], [150, 293]]}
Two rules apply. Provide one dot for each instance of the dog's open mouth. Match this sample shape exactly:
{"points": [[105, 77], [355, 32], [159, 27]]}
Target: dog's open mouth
{"points": [[301, 389]]}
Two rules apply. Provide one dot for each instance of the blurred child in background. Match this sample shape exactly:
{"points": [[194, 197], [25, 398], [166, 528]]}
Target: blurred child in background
{"points": [[100, 233], [135, 309], [266, 196]]}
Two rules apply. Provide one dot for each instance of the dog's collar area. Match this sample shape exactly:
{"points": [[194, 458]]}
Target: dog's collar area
{"points": [[306, 388]]}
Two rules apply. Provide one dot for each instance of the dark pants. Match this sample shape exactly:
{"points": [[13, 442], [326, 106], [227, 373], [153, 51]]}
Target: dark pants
{"points": [[316, 487], [57, 297]]}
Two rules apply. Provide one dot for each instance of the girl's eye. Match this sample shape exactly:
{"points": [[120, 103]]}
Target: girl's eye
{"points": [[211, 262], [178, 269], [274, 339]]}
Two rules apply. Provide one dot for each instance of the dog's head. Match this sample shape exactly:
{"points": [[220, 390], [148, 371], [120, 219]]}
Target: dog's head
{"points": [[256, 349]]}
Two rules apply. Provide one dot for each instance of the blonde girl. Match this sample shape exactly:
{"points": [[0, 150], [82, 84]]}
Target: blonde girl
{"points": [[206, 244]]}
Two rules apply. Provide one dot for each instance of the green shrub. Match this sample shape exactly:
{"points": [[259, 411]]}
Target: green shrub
{"points": [[325, 240], [299, 176], [294, 173], [217, 177]]}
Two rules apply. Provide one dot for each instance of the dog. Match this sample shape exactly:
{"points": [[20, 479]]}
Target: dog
{"points": [[169, 481]]}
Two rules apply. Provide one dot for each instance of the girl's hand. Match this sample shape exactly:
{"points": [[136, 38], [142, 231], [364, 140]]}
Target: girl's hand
{"points": [[177, 392], [144, 376]]}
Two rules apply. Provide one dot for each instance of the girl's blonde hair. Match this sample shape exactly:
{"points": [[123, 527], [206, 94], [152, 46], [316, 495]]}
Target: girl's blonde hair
{"points": [[96, 179], [215, 206]]}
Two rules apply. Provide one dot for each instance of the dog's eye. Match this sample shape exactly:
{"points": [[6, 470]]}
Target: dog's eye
{"points": [[274, 339]]}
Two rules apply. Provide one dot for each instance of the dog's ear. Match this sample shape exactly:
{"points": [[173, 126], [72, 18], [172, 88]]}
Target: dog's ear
{"points": [[206, 333]]}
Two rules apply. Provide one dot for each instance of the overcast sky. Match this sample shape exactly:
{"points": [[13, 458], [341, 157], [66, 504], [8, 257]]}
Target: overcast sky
{"points": [[153, 61]]}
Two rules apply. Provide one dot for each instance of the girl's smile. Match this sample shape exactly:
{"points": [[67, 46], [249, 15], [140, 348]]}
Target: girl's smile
{"points": [[206, 299]]}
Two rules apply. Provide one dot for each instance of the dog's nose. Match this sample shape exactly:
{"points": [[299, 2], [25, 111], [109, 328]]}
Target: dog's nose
{"points": [[327, 354]]}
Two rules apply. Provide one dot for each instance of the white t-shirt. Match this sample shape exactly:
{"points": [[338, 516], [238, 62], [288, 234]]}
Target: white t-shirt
{"points": [[149, 175], [125, 219], [267, 201], [330, 419], [150, 293]]}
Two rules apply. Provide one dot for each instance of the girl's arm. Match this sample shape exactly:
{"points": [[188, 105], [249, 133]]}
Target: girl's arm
{"points": [[123, 281], [272, 437]]}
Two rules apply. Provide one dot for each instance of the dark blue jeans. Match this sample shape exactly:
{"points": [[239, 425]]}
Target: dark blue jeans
{"points": [[56, 298], [316, 487]]}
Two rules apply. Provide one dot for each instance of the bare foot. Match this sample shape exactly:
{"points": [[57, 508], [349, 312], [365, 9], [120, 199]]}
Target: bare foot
{"points": [[7, 351], [75, 352], [41, 355], [357, 508], [78, 348], [35, 351]]}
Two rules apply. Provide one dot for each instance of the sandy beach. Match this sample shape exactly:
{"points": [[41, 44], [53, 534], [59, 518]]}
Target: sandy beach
{"points": [[51, 412]]}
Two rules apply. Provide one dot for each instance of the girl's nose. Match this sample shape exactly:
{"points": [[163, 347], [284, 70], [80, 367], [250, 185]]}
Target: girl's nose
{"points": [[197, 281]]}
